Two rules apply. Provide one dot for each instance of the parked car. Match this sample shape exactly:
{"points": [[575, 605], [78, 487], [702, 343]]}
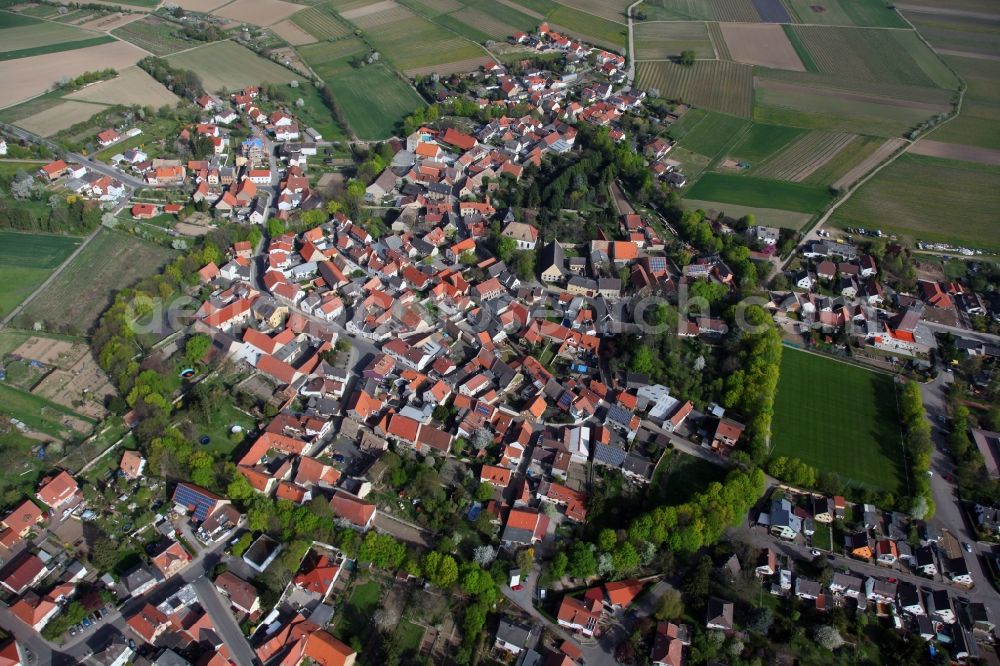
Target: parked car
{"points": [[967, 546], [86, 622], [73, 630]]}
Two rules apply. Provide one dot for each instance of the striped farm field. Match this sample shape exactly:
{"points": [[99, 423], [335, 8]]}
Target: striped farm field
{"points": [[661, 40], [799, 159], [719, 41], [321, 23], [851, 156], [737, 11], [872, 54], [716, 85]]}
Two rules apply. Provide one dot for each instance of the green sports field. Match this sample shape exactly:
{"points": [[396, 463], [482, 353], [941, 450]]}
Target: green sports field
{"points": [[839, 418], [26, 260]]}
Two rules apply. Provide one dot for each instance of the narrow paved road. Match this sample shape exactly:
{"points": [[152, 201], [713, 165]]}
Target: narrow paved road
{"points": [[16, 311], [93, 165], [225, 623]]}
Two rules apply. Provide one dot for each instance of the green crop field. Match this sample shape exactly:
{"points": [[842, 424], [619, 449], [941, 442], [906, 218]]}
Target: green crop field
{"points": [[328, 59], [588, 27], [762, 141], [478, 20], [677, 10], [81, 293], [958, 33], [863, 13], [229, 65], [980, 115], [12, 20], [373, 117], [412, 42], [613, 10], [26, 260], [707, 132], [667, 39], [33, 37], [716, 85], [154, 35], [748, 191], [839, 418], [931, 199], [321, 22], [869, 54], [811, 107], [315, 113]]}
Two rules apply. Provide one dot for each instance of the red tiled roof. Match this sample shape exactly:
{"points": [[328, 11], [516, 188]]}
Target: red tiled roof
{"points": [[351, 508], [325, 650]]}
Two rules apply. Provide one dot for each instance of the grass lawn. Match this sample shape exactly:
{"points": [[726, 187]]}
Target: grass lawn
{"points": [[76, 299], [26, 260], [688, 475], [218, 430], [374, 117], [408, 637], [931, 199], [743, 190], [821, 537], [839, 418], [356, 614]]}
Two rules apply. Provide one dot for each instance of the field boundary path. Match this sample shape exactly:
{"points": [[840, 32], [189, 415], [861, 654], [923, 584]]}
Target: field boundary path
{"points": [[630, 74], [16, 311]]}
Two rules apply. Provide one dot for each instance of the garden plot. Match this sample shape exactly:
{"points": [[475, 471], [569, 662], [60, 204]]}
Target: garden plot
{"points": [[75, 381], [762, 44]]}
